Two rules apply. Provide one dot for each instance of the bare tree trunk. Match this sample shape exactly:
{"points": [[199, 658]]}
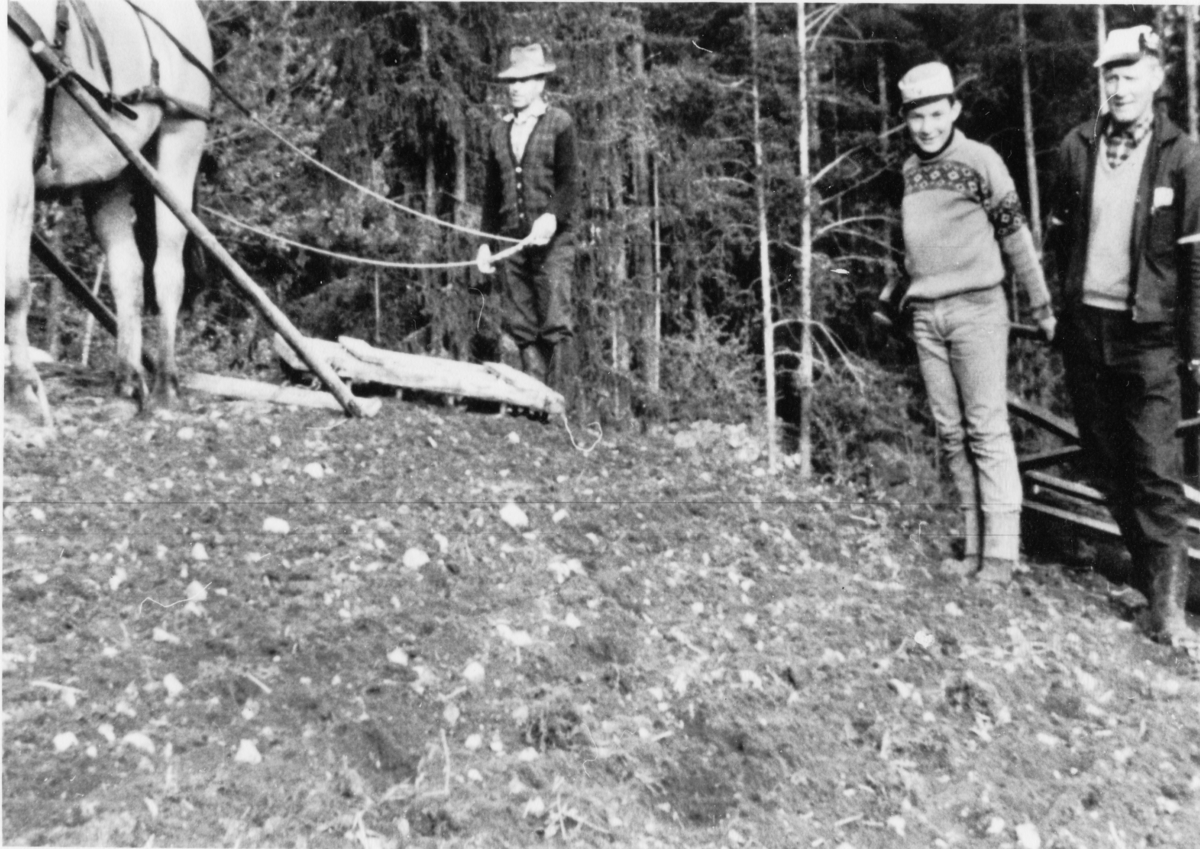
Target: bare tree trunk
{"points": [[1191, 446], [54, 319], [89, 326], [654, 355], [1192, 60], [460, 196], [430, 167], [890, 271], [642, 253], [764, 250], [378, 337], [460, 180], [804, 378], [884, 108], [1101, 34], [618, 257], [1035, 201]]}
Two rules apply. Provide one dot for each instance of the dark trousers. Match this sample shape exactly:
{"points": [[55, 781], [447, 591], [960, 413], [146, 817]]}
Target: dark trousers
{"points": [[537, 292], [1124, 383]]}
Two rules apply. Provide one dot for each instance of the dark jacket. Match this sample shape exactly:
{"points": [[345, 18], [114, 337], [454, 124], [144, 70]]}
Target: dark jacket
{"points": [[545, 180], [1165, 275]]}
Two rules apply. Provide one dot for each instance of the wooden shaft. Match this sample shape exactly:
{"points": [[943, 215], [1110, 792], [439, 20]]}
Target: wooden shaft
{"points": [[273, 314]]}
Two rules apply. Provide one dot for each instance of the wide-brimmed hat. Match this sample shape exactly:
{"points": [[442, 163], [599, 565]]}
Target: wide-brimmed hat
{"points": [[1128, 45], [925, 84], [525, 61]]}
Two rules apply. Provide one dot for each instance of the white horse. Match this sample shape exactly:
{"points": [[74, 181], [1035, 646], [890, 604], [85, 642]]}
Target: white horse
{"points": [[116, 48]]}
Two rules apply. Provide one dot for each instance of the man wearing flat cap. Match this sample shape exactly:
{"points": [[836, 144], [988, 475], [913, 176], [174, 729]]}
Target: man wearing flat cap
{"points": [[530, 193], [1125, 202], [963, 229]]}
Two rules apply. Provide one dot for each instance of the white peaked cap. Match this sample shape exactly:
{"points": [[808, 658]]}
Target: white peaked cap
{"points": [[1128, 45], [926, 83]]}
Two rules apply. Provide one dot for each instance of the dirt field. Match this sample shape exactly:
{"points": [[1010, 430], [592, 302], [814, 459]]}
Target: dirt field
{"points": [[248, 626]]}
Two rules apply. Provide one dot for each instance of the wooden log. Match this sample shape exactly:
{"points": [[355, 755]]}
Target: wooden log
{"points": [[1055, 456], [1082, 492], [253, 390], [1042, 481], [1045, 459], [433, 374], [54, 68], [1044, 419], [339, 359], [1109, 531]]}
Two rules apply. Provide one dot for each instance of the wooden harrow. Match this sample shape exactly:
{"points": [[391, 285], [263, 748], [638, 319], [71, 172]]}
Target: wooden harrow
{"points": [[1079, 507]]}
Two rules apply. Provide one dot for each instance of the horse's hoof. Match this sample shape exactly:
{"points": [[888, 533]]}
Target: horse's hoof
{"points": [[165, 393], [26, 397], [131, 386]]}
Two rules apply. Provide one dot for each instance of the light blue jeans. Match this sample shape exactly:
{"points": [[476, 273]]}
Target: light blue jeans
{"points": [[962, 344]]}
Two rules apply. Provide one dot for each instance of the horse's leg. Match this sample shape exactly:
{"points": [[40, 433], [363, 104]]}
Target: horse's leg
{"points": [[179, 148], [110, 210], [22, 386]]}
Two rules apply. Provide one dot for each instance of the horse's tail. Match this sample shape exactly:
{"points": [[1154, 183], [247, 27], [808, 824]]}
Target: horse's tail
{"points": [[197, 273], [196, 270]]}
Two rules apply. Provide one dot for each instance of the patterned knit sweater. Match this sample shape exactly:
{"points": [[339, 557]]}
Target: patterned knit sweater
{"points": [[962, 219]]}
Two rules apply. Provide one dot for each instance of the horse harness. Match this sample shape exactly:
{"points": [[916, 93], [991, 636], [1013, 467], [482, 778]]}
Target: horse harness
{"points": [[28, 31]]}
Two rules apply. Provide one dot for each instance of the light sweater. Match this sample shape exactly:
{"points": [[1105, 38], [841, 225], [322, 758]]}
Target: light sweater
{"points": [[1114, 193], [961, 219]]}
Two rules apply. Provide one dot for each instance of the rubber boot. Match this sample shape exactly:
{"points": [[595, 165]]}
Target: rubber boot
{"points": [[561, 357], [564, 375], [510, 354], [1168, 593], [533, 362]]}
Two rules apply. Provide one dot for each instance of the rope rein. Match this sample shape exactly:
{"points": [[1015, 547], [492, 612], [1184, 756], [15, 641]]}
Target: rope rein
{"points": [[241, 107], [309, 158], [378, 263], [576, 445]]}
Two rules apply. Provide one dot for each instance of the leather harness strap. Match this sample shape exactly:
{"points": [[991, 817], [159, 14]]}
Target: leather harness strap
{"points": [[30, 33], [92, 36], [192, 59]]}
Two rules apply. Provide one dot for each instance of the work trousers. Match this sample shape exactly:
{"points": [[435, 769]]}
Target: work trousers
{"points": [[962, 346], [537, 292], [1123, 378]]}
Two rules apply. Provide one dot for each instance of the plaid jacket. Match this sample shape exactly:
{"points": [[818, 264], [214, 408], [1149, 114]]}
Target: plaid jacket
{"points": [[545, 180]]}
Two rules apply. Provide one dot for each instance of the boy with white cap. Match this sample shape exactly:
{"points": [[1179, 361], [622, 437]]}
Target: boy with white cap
{"points": [[962, 223], [530, 192], [1125, 202]]}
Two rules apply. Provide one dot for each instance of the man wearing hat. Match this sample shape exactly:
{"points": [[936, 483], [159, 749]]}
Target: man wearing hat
{"points": [[1125, 202], [530, 193], [962, 224]]}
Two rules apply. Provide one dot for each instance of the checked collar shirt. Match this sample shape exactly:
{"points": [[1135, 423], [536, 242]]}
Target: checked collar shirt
{"points": [[1120, 142]]}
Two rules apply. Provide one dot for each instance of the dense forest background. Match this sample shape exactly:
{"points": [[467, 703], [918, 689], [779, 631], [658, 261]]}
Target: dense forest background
{"points": [[684, 112]]}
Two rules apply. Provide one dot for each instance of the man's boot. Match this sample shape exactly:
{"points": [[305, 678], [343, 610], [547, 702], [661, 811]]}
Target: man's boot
{"points": [[558, 355], [1168, 594], [533, 362], [510, 354], [563, 377]]}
